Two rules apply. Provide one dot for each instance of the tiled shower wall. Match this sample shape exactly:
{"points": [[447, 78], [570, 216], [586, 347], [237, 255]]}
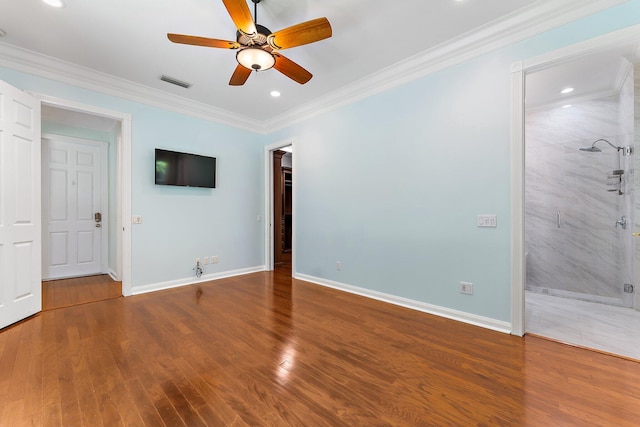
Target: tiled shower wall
{"points": [[586, 256]]}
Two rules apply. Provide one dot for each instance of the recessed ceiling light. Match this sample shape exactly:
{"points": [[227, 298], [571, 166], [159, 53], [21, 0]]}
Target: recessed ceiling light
{"points": [[566, 106], [54, 3], [566, 90], [275, 93]]}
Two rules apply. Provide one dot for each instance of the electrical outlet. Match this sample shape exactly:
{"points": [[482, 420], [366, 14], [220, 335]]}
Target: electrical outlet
{"points": [[136, 219], [214, 259], [466, 288], [205, 260], [338, 265]]}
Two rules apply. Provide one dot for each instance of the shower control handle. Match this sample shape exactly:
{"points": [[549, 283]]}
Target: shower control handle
{"points": [[622, 222]]}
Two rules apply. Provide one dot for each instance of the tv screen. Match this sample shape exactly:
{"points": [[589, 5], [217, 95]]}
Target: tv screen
{"points": [[184, 169]]}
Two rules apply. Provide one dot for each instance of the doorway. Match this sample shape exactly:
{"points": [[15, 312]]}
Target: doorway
{"points": [[103, 268], [78, 237], [280, 207], [574, 212]]}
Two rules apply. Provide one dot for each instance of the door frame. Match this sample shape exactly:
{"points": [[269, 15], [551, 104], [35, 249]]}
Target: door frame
{"points": [[519, 70], [269, 204], [123, 179], [104, 199]]}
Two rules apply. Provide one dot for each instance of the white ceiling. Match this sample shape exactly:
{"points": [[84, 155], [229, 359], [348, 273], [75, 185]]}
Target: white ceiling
{"points": [[127, 39], [592, 76]]}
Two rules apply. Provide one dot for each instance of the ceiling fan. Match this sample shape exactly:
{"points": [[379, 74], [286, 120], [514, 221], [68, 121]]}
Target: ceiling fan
{"points": [[259, 48]]}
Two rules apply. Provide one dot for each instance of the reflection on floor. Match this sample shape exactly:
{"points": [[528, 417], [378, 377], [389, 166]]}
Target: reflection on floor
{"points": [[599, 326], [285, 265]]}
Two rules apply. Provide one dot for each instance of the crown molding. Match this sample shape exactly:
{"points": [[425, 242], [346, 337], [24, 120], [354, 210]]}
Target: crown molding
{"points": [[55, 69], [539, 17]]}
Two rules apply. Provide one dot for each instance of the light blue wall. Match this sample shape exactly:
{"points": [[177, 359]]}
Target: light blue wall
{"points": [[391, 185], [180, 224]]}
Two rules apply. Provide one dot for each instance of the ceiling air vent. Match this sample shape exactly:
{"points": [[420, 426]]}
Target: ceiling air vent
{"points": [[175, 82]]}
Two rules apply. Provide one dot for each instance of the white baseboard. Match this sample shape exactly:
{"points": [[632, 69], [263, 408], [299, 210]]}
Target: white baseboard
{"points": [[136, 290], [112, 273], [461, 316]]}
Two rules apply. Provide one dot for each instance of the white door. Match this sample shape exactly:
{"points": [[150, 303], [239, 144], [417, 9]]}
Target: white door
{"points": [[20, 216], [73, 219]]}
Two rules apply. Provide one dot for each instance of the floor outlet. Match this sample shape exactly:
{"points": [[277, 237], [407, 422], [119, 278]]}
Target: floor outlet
{"points": [[466, 288]]}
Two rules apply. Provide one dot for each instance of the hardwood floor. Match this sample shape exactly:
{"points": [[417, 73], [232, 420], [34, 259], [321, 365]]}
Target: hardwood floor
{"points": [[265, 349], [79, 290]]}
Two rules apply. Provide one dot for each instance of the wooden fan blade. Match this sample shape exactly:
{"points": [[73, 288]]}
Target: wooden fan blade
{"points": [[304, 33], [240, 76], [203, 41], [241, 16], [291, 69]]}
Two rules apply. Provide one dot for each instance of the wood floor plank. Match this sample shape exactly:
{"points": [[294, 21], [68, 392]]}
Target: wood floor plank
{"points": [[265, 349], [78, 290], [51, 413]]}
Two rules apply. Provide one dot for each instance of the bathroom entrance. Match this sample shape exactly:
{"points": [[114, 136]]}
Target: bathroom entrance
{"points": [[579, 185]]}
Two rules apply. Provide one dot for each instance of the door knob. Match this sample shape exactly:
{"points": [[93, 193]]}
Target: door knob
{"points": [[97, 216]]}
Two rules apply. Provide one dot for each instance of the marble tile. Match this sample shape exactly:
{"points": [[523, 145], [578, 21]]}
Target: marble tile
{"points": [[588, 324], [587, 254]]}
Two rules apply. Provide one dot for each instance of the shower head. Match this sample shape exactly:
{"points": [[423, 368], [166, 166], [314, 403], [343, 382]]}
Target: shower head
{"points": [[591, 149], [594, 149]]}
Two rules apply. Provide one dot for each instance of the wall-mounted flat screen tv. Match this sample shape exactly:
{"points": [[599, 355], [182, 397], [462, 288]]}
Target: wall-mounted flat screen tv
{"points": [[184, 169]]}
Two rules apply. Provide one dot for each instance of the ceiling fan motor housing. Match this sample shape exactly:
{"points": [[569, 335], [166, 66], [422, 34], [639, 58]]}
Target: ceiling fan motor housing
{"points": [[260, 39]]}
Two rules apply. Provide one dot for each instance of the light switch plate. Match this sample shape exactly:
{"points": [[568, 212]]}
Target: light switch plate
{"points": [[488, 220], [136, 219]]}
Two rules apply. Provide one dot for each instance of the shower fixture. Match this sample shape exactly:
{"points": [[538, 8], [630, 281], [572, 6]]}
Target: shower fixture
{"points": [[614, 178], [593, 149]]}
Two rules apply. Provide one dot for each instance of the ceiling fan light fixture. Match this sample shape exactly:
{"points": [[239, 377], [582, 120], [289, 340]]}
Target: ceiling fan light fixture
{"points": [[255, 58]]}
